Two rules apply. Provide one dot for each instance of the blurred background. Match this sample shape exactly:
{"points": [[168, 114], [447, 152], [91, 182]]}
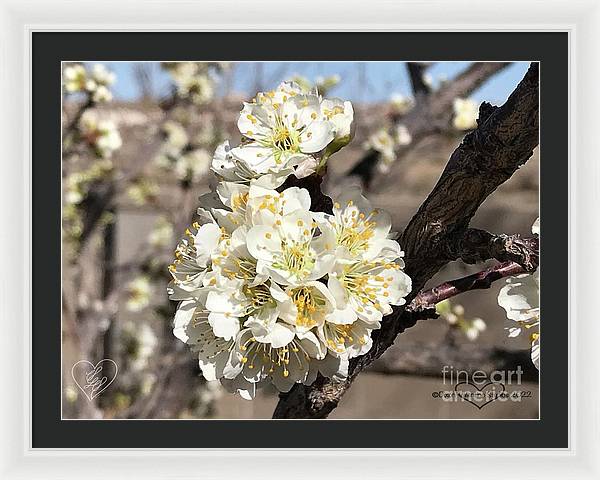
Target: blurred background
{"points": [[138, 139]]}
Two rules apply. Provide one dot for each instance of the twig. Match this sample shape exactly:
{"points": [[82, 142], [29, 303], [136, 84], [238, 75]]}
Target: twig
{"points": [[476, 281]]}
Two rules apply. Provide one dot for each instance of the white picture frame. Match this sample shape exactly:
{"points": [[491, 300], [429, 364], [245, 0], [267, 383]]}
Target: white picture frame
{"points": [[19, 19]]}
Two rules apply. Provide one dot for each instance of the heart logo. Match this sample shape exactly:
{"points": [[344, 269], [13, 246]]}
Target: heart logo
{"points": [[92, 379], [479, 397]]}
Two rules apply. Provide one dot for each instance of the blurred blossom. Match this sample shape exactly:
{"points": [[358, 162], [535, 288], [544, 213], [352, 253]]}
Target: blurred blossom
{"points": [[176, 140], [148, 381], [193, 80], [466, 112], [403, 136], [102, 94], [162, 234], [401, 104], [142, 342], [138, 294], [75, 78], [212, 391], [428, 80], [102, 76], [207, 134], [142, 191], [102, 135], [71, 394], [175, 134], [73, 189], [455, 316], [193, 165], [381, 141], [95, 82], [77, 183], [322, 85]]}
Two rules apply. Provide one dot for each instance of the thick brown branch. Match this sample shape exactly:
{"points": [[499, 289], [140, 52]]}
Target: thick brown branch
{"points": [[487, 157]]}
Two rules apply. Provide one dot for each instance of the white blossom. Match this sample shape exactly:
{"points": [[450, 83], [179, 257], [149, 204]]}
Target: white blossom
{"points": [[381, 141], [271, 292], [193, 165], [401, 104], [282, 135], [75, 78], [96, 82], [466, 112], [162, 233], [520, 298], [102, 135], [138, 294]]}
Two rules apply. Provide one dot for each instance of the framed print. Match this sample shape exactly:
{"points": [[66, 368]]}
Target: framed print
{"points": [[240, 261], [302, 244]]}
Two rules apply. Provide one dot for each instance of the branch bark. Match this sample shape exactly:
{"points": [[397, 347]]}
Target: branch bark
{"points": [[477, 281], [478, 246], [487, 157]]}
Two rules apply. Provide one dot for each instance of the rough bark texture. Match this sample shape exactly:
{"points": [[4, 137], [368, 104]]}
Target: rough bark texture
{"points": [[487, 157], [478, 246]]}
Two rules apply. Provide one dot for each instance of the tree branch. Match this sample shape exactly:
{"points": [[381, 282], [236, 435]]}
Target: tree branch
{"points": [[487, 157], [477, 281], [478, 246], [416, 73], [433, 114]]}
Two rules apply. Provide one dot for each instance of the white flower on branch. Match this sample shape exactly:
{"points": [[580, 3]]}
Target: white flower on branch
{"points": [[520, 297]]}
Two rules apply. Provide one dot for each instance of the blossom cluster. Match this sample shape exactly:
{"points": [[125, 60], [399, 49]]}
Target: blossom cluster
{"points": [[520, 298], [270, 290], [194, 80], [102, 136], [95, 82]]}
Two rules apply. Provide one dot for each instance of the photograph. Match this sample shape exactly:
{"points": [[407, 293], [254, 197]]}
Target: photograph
{"points": [[343, 240]]}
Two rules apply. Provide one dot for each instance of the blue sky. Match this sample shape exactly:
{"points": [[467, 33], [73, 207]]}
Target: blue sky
{"points": [[382, 78]]}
